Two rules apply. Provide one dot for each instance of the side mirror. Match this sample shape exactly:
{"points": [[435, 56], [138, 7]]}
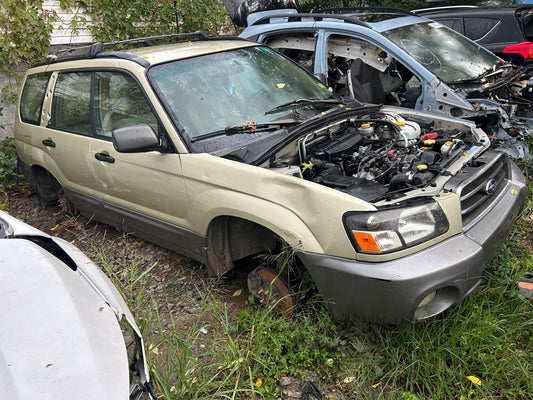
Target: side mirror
{"points": [[135, 139]]}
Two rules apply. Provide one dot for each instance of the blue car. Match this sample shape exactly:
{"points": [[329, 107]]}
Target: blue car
{"points": [[394, 57]]}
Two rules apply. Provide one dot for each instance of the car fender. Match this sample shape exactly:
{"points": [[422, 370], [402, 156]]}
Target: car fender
{"points": [[297, 210]]}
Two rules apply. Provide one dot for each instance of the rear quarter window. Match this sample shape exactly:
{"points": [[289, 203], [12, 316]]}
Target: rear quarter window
{"points": [[477, 28], [454, 23], [31, 100], [527, 22]]}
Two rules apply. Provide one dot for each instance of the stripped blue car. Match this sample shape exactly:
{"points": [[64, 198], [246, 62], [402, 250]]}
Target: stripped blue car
{"points": [[394, 57]]}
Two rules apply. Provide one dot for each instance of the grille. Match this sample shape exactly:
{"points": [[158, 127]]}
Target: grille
{"points": [[480, 184]]}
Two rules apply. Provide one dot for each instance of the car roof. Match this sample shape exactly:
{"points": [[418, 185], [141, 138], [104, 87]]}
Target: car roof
{"points": [[467, 10], [175, 51], [146, 52], [377, 19]]}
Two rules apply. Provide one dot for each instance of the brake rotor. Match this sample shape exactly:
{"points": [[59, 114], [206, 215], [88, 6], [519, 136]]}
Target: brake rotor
{"points": [[270, 288]]}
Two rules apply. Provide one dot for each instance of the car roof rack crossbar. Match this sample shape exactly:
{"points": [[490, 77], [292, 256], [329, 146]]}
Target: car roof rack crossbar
{"points": [[378, 10], [94, 49], [317, 17]]}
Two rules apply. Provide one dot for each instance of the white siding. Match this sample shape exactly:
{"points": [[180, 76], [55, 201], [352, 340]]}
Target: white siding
{"points": [[63, 33]]}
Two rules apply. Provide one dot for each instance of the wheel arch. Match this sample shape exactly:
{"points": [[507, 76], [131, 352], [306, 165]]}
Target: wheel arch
{"points": [[46, 184], [233, 235]]}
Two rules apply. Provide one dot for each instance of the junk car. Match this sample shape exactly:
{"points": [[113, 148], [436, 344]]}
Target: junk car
{"points": [[60, 336], [223, 149], [394, 57]]}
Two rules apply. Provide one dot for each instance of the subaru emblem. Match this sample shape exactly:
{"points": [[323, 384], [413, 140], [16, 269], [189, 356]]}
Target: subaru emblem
{"points": [[490, 186]]}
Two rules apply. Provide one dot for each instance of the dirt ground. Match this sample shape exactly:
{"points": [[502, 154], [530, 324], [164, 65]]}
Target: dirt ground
{"points": [[172, 278]]}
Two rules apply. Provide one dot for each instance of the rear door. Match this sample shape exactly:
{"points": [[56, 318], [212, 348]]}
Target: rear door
{"points": [[66, 139]]}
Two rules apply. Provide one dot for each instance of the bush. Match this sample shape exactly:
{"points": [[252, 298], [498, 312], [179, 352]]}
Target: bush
{"points": [[8, 164]]}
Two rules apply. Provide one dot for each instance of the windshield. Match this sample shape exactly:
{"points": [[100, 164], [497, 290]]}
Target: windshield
{"points": [[212, 92], [447, 54]]}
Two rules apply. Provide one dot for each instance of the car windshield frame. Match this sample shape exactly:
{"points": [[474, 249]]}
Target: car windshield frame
{"points": [[447, 54], [234, 87]]}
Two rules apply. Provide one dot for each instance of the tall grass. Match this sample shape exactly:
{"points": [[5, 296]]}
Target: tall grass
{"points": [[479, 349]]}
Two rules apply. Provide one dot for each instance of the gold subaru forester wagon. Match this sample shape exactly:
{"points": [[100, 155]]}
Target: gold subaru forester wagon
{"points": [[221, 148]]}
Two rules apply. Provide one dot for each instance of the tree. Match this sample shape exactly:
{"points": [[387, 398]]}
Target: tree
{"points": [[122, 19], [25, 30], [24, 33]]}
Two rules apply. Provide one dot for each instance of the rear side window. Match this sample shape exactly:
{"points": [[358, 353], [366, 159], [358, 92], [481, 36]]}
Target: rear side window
{"points": [[477, 28], [31, 101], [71, 107]]}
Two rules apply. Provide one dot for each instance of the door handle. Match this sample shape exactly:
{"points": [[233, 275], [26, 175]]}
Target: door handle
{"points": [[104, 157], [49, 143]]}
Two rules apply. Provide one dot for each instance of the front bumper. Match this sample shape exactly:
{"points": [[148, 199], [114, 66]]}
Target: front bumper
{"points": [[440, 276]]}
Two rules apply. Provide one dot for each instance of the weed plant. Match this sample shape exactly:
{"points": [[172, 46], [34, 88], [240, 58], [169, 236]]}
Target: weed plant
{"points": [[8, 164]]}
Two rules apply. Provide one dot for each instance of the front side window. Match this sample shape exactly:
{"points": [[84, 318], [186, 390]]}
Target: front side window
{"points": [[119, 102], [71, 106], [209, 93], [444, 52], [298, 47], [31, 100]]}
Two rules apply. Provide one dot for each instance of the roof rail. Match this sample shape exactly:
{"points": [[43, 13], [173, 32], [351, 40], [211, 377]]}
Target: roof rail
{"points": [[380, 10], [94, 49], [317, 17]]}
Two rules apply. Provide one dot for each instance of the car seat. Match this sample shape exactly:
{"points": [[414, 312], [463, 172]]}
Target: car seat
{"points": [[368, 85]]}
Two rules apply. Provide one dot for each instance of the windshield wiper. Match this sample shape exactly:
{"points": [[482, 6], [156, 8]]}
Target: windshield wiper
{"points": [[303, 103], [248, 127]]}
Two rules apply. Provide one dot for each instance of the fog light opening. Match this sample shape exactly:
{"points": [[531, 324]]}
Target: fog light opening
{"points": [[428, 299], [436, 302]]}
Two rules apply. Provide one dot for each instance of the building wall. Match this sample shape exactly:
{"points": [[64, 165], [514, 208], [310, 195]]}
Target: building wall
{"points": [[64, 33], [7, 119]]}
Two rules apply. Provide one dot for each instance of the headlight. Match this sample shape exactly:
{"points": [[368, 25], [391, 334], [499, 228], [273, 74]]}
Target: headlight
{"points": [[395, 229]]}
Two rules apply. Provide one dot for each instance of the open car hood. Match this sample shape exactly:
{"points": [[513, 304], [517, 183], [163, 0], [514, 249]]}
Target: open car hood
{"points": [[60, 336], [239, 10]]}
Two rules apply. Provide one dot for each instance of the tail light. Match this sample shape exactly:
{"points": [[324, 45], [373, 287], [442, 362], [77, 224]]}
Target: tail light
{"points": [[525, 49]]}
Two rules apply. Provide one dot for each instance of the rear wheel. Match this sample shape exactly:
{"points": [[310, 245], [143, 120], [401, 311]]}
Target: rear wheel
{"points": [[47, 187]]}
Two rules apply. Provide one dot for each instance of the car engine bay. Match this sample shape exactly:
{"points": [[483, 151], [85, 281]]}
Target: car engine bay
{"points": [[381, 156]]}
